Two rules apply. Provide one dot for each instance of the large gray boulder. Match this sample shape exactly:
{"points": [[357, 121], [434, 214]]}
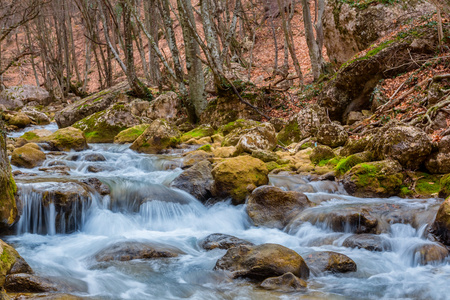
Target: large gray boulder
{"points": [[197, 180], [18, 96], [350, 28], [439, 161]]}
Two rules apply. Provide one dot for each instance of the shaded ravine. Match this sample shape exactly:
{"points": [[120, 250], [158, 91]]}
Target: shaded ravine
{"points": [[61, 240]]}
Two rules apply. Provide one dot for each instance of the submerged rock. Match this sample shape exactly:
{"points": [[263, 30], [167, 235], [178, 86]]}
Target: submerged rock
{"points": [[328, 261], [371, 242], [197, 181], [28, 156], [97, 185], [263, 261], [232, 176], [429, 254], [222, 241], [287, 283], [272, 207], [125, 251]]}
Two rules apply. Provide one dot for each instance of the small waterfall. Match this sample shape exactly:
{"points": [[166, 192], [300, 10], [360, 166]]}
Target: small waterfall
{"points": [[52, 207]]}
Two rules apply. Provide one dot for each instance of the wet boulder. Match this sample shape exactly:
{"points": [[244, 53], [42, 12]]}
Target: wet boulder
{"points": [[272, 207], [233, 176], [258, 138], [100, 187], [103, 126], [20, 120], [321, 153], [197, 180], [287, 283], [409, 145], [36, 135], [222, 241], [430, 253], [29, 283], [371, 242], [66, 139], [374, 179], [332, 134], [328, 261], [94, 157], [304, 124], [11, 262], [131, 134], [126, 251], [159, 136], [36, 116], [28, 156], [441, 225], [439, 161], [262, 261], [193, 157]]}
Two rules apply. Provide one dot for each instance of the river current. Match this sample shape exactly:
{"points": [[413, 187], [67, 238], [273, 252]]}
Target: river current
{"points": [[142, 207]]}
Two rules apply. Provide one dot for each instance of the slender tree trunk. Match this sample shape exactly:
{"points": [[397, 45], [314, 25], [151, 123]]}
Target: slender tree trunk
{"points": [[315, 53]]}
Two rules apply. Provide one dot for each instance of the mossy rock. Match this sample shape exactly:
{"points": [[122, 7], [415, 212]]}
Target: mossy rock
{"points": [[234, 176], [265, 156], [197, 133], [28, 156], [11, 262], [441, 225], [427, 185], [67, 139], [374, 179], [445, 186], [103, 126], [20, 120], [8, 190], [160, 135], [354, 146], [321, 153], [131, 134], [345, 164], [36, 135], [206, 148]]}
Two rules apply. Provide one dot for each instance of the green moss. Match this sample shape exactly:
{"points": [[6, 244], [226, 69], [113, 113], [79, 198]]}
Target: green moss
{"points": [[363, 4], [206, 148], [290, 134], [444, 191], [405, 192], [347, 163], [199, 132], [30, 136], [240, 123], [97, 130], [428, 184]]}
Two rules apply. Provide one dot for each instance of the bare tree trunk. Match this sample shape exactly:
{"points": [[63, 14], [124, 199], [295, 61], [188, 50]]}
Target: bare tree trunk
{"points": [[193, 63], [315, 53], [33, 64]]}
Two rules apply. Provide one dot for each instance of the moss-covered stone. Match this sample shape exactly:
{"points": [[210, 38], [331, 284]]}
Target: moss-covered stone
{"points": [[11, 262], [349, 162], [158, 136], [28, 156], [103, 126], [20, 120], [206, 148], [374, 179], [197, 133], [441, 225], [36, 135], [131, 134], [321, 153], [445, 186], [233, 176], [8, 190], [67, 139]]}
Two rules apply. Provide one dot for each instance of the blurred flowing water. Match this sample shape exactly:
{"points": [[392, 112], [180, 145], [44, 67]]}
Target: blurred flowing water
{"points": [[142, 207]]}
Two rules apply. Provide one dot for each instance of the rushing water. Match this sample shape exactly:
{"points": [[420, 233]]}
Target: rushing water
{"points": [[142, 207]]}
